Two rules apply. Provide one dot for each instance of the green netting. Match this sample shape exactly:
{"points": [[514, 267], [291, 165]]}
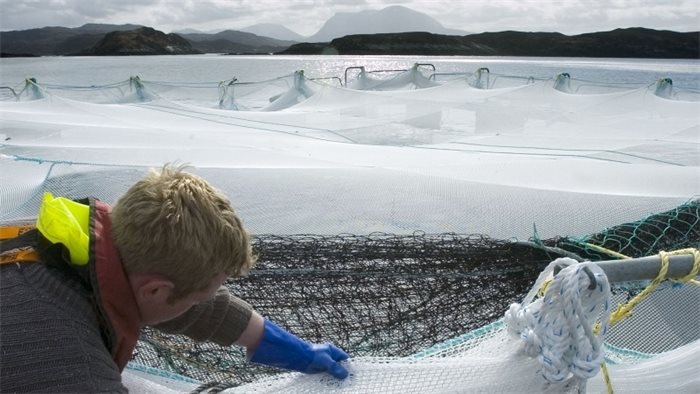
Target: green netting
{"points": [[674, 229], [395, 295]]}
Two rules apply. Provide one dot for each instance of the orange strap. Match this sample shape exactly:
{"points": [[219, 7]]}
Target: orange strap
{"points": [[20, 256], [14, 231], [27, 255]]}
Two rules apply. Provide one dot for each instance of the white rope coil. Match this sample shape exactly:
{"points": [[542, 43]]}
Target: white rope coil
{"points": [[557, 329]]}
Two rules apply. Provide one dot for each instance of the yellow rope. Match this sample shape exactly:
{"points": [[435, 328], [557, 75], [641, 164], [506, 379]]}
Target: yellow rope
{"points": [[543, 288], [623, 311], [606, 377], [690, 278], [606, 251]]}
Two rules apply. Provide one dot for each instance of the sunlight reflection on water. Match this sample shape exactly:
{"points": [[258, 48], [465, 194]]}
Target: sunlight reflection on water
{"points": [[86, 71]]}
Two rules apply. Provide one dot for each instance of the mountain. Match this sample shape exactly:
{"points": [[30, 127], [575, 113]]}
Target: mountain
{"points": [[58, 41], [104, 28], [274, 31], [239, 37], [55, 40], [188, 31], [41, 41], [394, 19], [233, 41], [142, 41], [620, 43]]}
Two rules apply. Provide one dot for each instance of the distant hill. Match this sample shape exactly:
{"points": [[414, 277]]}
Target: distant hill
{"points": [[392, 19], [92, 39], [233, 41], [142, 41], [622, 43], [59, 41], [189, 31], [94, 28], [54, 40], [275, 31]]}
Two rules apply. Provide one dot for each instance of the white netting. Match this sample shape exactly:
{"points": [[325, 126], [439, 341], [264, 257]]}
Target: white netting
{"points": [[481, 153], [463, 155], [492, 359], [497, 370], [404, 80]]}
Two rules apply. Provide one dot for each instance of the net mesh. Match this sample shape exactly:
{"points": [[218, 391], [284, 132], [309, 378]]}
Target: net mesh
{"points": [[372, 162], [674, 229], [394, 296]]}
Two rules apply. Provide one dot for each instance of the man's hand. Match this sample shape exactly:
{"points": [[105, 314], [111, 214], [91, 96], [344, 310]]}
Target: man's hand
{"points": [[281, 349]]}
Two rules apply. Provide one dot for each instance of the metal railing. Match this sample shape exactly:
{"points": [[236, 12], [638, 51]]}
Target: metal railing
{"points": [[11, 90], [362, 69], [641, 268]]}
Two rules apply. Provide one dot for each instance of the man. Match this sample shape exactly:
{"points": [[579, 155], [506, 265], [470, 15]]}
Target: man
{"points": [[76, 290]]}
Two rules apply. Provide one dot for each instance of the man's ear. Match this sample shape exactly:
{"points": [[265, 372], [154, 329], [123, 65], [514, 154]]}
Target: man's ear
{"points": [[151, 289]]}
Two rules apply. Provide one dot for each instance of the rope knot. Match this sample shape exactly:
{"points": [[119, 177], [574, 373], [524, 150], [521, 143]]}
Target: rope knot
{"points": [[557, 329]]}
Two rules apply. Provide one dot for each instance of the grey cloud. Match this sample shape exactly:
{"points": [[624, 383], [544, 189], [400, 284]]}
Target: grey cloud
{"points": [[26, 15], [202, 12], [107, 8], [353, 3], [599, 16], [566, 16], [479, 17], [301, 5], [39, 13]]}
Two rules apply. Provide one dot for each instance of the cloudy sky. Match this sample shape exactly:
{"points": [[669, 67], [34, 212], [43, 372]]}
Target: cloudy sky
{"points": [[307, 16]]}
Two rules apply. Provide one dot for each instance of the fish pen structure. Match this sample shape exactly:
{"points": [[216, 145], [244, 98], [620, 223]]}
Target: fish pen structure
{"points": [[394, 296], [400, 216]]}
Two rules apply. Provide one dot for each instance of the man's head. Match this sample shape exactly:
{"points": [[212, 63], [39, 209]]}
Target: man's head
{"points": [[178, 238]]}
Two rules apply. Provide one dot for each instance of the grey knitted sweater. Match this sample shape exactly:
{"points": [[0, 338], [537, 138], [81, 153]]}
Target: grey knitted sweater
{"points": [[50, 337]]}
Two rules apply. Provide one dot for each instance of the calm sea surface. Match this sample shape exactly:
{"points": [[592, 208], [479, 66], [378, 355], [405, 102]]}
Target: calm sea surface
{"points": [[87, 71]]}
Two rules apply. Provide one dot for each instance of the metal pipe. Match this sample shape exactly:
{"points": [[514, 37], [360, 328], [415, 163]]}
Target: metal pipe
{"points": [[361, 68], [425, 65], [645, 268]]}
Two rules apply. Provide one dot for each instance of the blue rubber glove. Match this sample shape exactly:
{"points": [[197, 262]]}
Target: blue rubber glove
{"points": [[281, 349]]}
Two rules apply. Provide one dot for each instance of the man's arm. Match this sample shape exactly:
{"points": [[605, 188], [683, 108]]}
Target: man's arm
{"points": [[266, 343], [222, 320], [253, 333]]}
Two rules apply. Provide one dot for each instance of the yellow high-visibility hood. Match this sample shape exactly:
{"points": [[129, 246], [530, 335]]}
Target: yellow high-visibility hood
{"points": [[64, 221]]}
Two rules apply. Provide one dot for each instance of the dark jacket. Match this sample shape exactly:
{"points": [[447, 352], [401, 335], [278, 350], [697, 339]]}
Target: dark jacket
{"points": [[70, 328]]}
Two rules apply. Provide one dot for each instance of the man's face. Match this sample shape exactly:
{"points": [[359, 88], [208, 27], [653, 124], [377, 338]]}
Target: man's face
{"points": [[159, 309]]}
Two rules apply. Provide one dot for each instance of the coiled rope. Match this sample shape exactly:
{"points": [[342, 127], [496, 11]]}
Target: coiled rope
{"points": [[557, 329]]}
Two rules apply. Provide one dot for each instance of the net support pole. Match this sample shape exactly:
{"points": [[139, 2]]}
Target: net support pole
{"points": [[645, 268]]}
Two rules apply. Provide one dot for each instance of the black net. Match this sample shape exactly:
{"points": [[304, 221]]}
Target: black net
{"points": [[394, 295]]}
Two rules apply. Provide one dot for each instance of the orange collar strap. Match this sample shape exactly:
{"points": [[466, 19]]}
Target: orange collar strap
{"points": [[21, 255]]}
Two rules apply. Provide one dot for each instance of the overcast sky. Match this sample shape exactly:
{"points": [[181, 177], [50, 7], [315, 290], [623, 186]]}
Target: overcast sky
{"points": [[307, 16]]}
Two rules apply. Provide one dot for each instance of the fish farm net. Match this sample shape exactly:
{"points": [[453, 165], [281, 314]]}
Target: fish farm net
{"points": [[394, 296], [399, 215]]}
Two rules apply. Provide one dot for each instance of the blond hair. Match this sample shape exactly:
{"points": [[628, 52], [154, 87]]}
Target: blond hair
{"points": [[175, 224]]}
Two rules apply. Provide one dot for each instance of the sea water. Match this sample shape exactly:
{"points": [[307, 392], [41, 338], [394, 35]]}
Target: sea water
{"points": [[88, 71]]}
